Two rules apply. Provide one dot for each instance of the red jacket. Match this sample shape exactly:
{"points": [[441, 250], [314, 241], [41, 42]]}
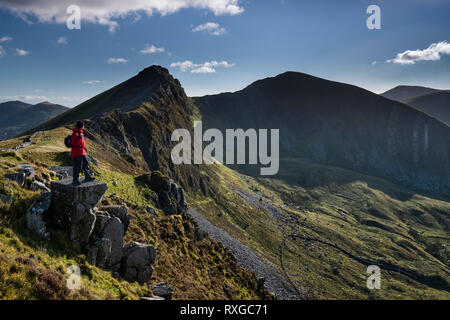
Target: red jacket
{"points": [[78, 144]]}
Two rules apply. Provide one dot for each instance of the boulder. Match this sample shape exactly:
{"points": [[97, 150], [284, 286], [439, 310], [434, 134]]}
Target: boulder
{"points": [[28, 170], [137, 261], [73, 208], [35, 216], [17, 177], [120, 212], [162, 289], [6, 199], [99, 253], [62, 172], [36, 186], [114, 231]]}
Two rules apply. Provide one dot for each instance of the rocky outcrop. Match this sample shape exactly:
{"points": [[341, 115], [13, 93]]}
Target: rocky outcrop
{"points": [[73, 208], [120, 212], [99, 231], [17, 177], [171, 198], [62, 172], [39, 186]]}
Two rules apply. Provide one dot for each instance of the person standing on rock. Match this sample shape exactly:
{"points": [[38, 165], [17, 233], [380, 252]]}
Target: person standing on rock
{"points": [[78, 154]]}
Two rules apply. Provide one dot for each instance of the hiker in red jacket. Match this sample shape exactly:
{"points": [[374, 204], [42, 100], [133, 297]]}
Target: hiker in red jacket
{"points": [[78, 154]]}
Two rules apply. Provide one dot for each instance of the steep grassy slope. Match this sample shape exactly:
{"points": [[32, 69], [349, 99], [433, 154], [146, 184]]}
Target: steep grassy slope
{"points": [[322, 226], [18, 117], [197, 269]]}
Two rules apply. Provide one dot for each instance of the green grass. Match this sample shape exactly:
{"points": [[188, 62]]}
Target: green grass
{"points": [[365, 216]]}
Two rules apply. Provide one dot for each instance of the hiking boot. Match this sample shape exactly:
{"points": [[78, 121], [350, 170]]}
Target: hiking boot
{"points": [[88, 179], [76, 183]]}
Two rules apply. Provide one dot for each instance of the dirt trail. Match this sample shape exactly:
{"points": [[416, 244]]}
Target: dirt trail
{"points": [[22, 145]]}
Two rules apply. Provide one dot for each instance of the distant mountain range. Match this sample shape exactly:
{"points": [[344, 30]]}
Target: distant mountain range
{"points": [[341, 125], [328, 122], [434, 102], [358, 174], [18, 116]]}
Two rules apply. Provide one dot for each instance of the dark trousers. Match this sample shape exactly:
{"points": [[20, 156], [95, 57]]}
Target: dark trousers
{"points": [[80, 163]]}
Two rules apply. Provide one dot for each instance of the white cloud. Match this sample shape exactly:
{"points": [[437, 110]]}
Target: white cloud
{"points": [[206, 67], [106, 12], [22, 52], [4, 39], [62, 40], [2, 51], [211, 28], [432, 53], [117, 60], [150, 49], [91, 82]]}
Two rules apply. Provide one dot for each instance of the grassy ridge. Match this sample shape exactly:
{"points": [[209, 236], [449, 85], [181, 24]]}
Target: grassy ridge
{"points": [[197, 269]]}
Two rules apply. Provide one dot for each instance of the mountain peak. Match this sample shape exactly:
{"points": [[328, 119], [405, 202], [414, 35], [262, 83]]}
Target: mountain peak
{"points": [[150, 85], [45, 103], [154, 71]]}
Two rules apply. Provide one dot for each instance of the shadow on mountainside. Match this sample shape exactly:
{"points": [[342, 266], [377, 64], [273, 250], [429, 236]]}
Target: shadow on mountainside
{"points": [[310, 175]]}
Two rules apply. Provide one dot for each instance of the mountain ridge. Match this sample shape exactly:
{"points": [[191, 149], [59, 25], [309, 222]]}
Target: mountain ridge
{"points": [[21, 116], [349, 127]]}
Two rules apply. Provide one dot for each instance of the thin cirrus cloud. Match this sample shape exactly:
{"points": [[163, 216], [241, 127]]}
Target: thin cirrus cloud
{"points": [[432, 53], [210, 28], [151, 49], [116, 60], [91, 82], [4, 39], [62, 40], [106, 12], [22, 52], [203, 68], [2, 51]]}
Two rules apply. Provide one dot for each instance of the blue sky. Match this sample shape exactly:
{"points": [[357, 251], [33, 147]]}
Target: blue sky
{"points": [[243, 42]]}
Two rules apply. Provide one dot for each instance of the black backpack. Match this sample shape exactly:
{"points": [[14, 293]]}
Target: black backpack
{"points": [[68, 141]]}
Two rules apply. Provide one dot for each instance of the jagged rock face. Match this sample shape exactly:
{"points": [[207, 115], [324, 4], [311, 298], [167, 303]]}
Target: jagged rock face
{"points": [[171, 198], [347, 127], [137, 262]]}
